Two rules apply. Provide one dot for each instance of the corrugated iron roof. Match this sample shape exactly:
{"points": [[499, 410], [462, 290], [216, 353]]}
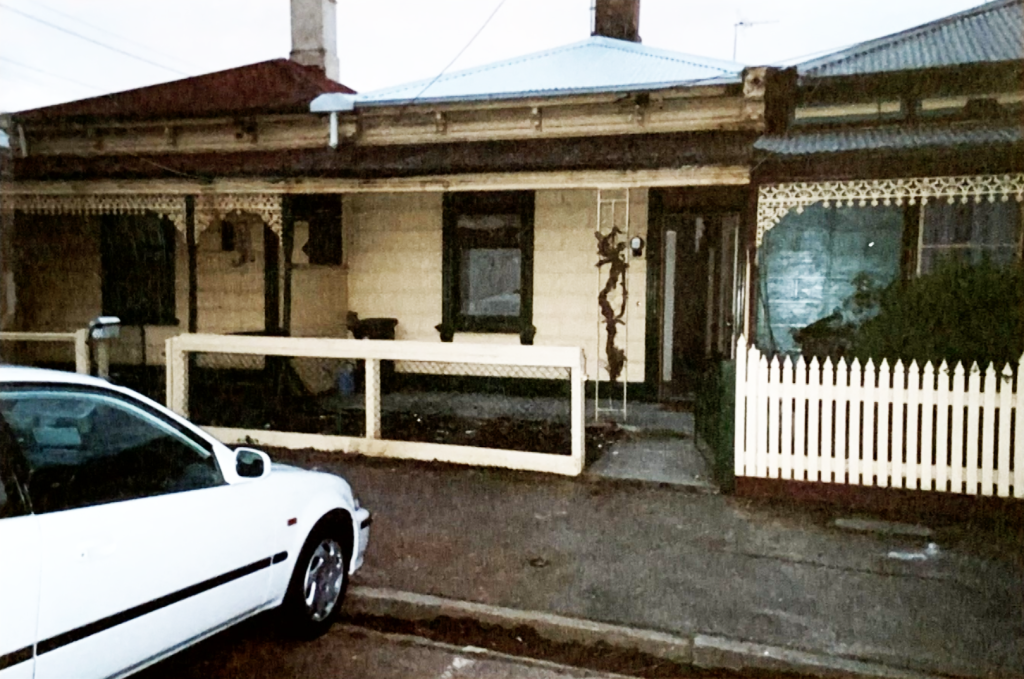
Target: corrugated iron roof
{"points": [[276, 86], [992, 32], [597, 64], [895, 138]]}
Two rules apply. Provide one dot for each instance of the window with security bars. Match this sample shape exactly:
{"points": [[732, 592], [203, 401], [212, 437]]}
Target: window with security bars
{"points": [[971, 233]]}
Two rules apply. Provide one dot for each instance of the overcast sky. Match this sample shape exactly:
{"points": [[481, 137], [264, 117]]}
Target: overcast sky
{"points": [[53, 51]]}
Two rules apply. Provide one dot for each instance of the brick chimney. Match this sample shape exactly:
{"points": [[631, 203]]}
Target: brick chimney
{"points": [[619, 19], [315, 35]]}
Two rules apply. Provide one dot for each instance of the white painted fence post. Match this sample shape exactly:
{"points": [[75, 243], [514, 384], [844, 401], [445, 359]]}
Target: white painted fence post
{"points": [[868, 466], [841, 394], [373, 398], [177, 377], [577, 382], [82, 351], [973, 413], [960, 385], [814, 433], [774, 397], [899, 398], [761, 424], [786, 413], [883, 467], [928, 394], [741, 413], [855, 464], [800, 420], [1018, 444], [912, 470], [989, 431], [943, 447], [828, 438], [1005, 415]]}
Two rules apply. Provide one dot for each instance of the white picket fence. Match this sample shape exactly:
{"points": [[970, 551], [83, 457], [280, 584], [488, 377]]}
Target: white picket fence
{"points": [[939, 429]]}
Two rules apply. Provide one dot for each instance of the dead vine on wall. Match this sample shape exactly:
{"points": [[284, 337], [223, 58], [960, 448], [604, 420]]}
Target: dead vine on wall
{"points": [[612, 253]]}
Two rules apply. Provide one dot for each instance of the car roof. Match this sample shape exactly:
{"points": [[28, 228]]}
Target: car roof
{"points": [[14, 374]]}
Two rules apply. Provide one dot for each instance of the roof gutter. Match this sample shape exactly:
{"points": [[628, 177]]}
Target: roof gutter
{"points": [[333, 103]]}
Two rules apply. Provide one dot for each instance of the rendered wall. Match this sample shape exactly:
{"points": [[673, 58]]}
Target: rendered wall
{"points": [[394, 254]]}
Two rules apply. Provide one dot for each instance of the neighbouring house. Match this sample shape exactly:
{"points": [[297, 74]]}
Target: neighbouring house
{"points": [[899, 153], [600, 188]]}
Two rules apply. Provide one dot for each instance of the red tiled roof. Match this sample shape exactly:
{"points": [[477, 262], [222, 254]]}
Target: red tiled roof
{"points": [[276, 86]]}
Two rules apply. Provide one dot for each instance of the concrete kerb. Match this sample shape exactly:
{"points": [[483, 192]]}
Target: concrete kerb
{"points": [[707, 652]]}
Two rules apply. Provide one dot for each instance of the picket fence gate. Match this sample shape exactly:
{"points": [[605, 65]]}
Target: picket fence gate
{"points": [[921, 428]]}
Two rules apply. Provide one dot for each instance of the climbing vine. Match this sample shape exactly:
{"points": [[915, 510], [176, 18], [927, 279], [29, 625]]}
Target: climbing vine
{"points": [[611, 252]]}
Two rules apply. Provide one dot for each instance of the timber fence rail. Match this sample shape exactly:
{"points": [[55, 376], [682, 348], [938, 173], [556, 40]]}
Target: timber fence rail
{"points": [[326, 394], [79, 339], [934, 428]]}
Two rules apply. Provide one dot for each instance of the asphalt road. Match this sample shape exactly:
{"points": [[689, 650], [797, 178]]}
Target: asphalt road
{"points": [[255, 651]]}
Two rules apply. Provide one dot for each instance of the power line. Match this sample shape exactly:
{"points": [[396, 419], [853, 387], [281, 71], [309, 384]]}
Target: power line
{"points": [[465, 47], [95, 42], [111, 33], [52, 75]]}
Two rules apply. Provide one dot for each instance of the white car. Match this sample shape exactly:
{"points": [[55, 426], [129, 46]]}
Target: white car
{"points": [[127, 533]]}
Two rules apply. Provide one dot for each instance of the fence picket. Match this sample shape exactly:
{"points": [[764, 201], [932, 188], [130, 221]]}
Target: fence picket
{"points": [[856, 392], [933, 427], [942, 436], [774, 409], [973, 414], [927, 465], [912, 468], [883, 470], [786, 451], [899, 399], [1018, 434], [741, 412], [763, 408], [868, 466], [1003, 449], [814, 436], [800, 420], [956, 453], [988, 431], [828, 438]]}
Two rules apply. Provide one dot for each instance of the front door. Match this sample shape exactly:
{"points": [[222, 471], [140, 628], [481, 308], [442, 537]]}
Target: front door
{"points": [[699, 301]]}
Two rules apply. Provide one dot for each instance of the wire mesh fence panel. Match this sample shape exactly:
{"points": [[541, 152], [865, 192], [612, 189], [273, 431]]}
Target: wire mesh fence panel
{"points": [[518, 407], [510, 407], [279, 393]]}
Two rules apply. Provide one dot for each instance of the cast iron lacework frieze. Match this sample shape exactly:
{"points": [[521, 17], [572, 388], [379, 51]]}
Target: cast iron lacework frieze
{"points": [[209, 207], [774, 201]]}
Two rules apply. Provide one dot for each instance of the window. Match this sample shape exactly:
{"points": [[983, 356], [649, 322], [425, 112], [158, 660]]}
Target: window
{"points": [[137, 256], [488, 263], [970, 232], [84, 449], [317, 229]]}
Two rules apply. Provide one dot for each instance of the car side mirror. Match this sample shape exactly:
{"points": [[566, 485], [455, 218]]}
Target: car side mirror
{"points": [[251, 463]]}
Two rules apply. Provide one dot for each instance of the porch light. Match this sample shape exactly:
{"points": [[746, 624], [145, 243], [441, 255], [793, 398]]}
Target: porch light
{"points": [[636, 244]]}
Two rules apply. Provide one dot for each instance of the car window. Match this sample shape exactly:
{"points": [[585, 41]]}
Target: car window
{"points": [[85, 448], [12, 498]]}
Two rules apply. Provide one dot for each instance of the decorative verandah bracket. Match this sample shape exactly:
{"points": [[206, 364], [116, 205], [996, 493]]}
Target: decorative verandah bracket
{"points": [[774, 201], [171, 206], [209, 207], [212, 206]]}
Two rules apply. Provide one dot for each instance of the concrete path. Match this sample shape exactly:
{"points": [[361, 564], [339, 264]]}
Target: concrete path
{"points": [[693, 565]]}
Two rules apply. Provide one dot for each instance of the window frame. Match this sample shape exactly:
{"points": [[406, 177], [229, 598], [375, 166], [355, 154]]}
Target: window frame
{"points": [[521, 203], [922, 215]]}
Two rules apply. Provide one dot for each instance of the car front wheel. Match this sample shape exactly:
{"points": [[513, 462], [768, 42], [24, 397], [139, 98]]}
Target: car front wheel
{"points": [[319, 581]]}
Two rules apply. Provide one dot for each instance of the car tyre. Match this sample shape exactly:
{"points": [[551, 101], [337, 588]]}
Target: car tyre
{"points": [[319, 581]]}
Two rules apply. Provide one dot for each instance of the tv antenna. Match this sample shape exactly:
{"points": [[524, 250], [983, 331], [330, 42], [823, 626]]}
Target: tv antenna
{"points": [[743, 23]]}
